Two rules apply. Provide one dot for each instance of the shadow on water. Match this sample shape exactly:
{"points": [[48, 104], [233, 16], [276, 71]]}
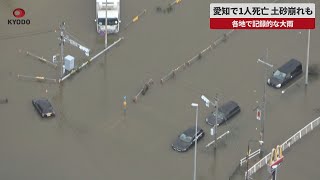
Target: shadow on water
{"points": [[63, 124]]}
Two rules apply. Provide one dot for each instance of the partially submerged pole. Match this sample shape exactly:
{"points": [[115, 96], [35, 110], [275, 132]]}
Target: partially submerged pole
{"points": [[143, 90], [4, 101]]}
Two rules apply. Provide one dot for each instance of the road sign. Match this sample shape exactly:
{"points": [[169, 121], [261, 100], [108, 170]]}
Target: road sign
{"points": [[206, 100], [54, 58], [258, 114], [212, 131]]}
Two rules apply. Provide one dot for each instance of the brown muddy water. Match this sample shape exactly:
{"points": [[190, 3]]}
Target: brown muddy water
{"points": [[91, 139]]}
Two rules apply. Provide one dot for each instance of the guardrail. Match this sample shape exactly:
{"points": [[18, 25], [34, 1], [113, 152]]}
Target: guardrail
{"points": [[195, 58], [287, 144]]}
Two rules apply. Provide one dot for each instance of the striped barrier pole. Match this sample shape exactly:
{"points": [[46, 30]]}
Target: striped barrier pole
{"points": [[143, 90], [42, 59], [136, 18], [169, 8], [36, 78], [175, 2]]}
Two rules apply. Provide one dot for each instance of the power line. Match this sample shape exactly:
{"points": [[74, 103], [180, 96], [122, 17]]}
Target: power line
{"points": [[28, 34], [73, 36]]}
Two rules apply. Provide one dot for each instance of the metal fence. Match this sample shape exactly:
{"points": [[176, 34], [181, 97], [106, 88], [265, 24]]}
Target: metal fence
{"points": [[188, 63], [287, 144]]}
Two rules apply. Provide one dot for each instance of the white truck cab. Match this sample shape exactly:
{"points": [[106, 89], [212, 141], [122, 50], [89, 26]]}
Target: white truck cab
{"points": [[113, 16]]}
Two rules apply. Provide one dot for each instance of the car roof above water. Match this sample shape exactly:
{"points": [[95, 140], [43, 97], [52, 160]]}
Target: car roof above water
{"points": [[44, 103], [191, 131], [289, 66], [228, 106]]}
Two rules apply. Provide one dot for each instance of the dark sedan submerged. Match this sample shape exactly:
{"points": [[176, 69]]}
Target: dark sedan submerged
{"points": [[225, 112], [285, 73], [187, 139], [44, 107]]}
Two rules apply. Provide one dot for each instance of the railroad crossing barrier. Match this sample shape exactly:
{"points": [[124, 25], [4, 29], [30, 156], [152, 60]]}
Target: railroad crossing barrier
{"points": [[220, 137], [36, 78], [169, 8], [252, 155], [143, 90], [286, 145], [136, 18], [42, 59], [197, 57], [89, 61]]}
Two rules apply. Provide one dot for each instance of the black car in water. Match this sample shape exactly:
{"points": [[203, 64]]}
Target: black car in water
{"points": [[285, 73], [44, 107], [225, 112], [187, 139]]}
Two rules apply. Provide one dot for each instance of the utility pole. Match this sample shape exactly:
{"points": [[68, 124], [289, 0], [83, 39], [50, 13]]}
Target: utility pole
{"points": [[275, 173], [264, 97], [308, 53], [106, 23], [196, 142], [264, 104], [214, 129], [216, 121], [62, 29], [248, 153]]}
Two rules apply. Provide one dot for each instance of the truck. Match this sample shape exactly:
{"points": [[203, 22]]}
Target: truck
{"points": [[113, 16]]}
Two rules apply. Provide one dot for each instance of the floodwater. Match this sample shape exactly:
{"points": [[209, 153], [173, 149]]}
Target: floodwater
{"points": [[91, 138]]}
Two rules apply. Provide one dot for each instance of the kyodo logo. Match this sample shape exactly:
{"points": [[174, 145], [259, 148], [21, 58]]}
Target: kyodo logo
{"points": [[18, 13]]}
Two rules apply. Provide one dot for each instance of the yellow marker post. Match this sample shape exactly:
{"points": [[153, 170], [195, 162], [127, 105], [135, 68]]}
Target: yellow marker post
{"points": [[125, 105], [135, 19]]}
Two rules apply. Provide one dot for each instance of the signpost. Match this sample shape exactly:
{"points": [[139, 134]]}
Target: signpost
{"points": [[206, 100], [258, 114], [213, 130]]}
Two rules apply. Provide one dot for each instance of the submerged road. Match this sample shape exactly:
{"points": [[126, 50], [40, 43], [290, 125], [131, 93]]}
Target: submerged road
{"points": [[92, 139]]}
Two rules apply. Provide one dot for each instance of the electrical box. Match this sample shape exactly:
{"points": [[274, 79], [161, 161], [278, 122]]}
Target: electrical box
{"points": [[69, 62]]}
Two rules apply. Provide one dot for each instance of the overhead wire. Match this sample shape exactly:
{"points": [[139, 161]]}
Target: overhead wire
{"points": [[27, 34], [72, 35]]}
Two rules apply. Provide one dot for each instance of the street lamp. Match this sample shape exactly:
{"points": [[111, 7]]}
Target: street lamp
{"points": [[264, 98], [215, 104], [106, 24], [196, 141], [308, 53]]}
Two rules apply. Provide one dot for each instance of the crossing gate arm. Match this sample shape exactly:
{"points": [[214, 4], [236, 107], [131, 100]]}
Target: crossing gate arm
{"points": [[297, 136], [224, 134], [252, 155]]}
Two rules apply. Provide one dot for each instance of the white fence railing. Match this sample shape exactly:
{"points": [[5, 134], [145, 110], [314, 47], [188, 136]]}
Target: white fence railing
{"points": [[287, 144], [252, 155]]}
